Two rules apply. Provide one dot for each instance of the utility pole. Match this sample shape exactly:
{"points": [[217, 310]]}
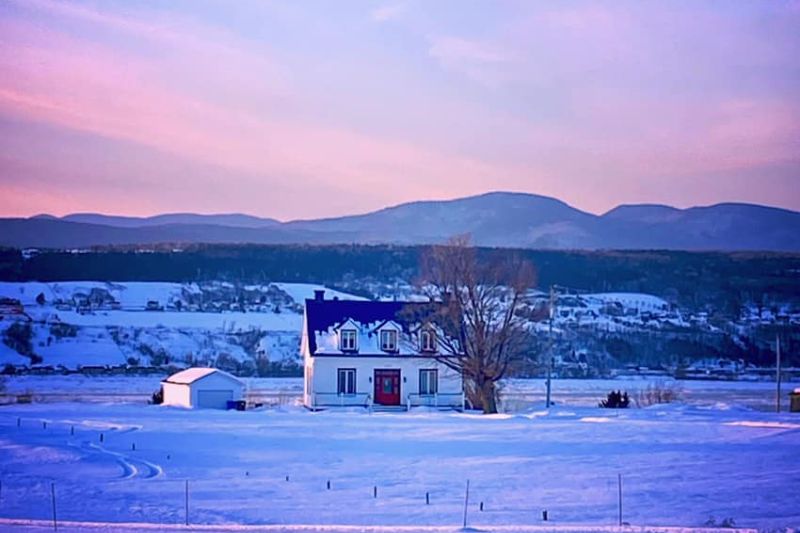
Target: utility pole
{"points": [[552, 306], [778, 373]]}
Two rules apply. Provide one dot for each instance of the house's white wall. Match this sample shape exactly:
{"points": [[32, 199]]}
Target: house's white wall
{"points": [[308, 380], [308, 365], [323, 377], [217, 381], [177, 394]]}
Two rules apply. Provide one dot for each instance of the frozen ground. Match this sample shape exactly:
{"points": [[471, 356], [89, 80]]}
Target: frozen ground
{"points": [[680, 465]]}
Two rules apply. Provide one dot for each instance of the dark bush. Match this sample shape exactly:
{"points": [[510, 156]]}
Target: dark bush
{"points": [[616, 400], [19, 337], [658, 393], [158, 397]]}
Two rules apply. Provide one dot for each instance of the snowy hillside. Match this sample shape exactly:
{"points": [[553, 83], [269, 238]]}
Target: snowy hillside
{"points": [[75, 324], [254, 329]]}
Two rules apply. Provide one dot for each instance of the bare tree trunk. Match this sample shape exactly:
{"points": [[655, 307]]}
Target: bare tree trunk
{"points": [[484, 396], [489, 398]]}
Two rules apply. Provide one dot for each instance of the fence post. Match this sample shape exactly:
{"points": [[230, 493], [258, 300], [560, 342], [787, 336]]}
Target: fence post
{"points": [[186, 503], [375, 491], [427, 498], [466, 503], [53, 496], [619, 484]]}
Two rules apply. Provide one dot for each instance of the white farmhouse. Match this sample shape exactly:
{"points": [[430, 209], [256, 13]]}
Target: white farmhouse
{"points": [[202, 387], [362, 353]]}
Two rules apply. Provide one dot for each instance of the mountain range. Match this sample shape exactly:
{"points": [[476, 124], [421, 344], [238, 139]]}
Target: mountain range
{"points": [[500, 219]]}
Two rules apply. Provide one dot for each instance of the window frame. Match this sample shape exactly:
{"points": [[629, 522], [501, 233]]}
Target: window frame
{"points": [[346, 380], [389, 333], [431, 387], [348, 332], [431, 335]]}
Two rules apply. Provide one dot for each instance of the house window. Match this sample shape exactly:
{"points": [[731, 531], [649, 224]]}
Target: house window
{"points": [[389, 340], [428, 382], [348, 340], [427, 340], [346, 382]]}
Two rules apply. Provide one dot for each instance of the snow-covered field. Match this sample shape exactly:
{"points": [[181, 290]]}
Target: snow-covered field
{"points": [[680, 465]]}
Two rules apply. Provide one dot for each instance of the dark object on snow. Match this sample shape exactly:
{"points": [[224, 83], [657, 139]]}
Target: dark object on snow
{"points": [[616, 400], [794, 401], [158, 397], [238, 405]]}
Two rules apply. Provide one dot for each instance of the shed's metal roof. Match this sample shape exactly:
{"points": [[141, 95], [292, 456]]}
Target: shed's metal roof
{"points": [[190, 375]]}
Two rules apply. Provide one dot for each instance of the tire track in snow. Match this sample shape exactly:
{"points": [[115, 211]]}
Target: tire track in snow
{"points": [[131, 467]]}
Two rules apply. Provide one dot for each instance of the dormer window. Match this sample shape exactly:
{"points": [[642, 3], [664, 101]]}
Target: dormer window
{"points": [[427, 340], [388, 340], [348, 340]]}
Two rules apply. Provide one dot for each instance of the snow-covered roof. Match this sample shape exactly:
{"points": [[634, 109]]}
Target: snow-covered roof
{"points": [[325, 319], [190, 375]]}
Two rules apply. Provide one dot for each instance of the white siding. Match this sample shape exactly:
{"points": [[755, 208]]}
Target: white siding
{"points": [[177, 394], [186, 395], [323, 376], [216, 382]]}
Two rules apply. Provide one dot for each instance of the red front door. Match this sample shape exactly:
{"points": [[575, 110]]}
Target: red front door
{"points": [[387, 387]]}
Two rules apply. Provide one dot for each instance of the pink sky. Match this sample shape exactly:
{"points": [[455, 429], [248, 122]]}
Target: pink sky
{"points": [[298, 110]]}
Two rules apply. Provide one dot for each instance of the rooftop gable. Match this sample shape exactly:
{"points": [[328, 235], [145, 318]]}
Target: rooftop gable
{"points": [[323, 316]]}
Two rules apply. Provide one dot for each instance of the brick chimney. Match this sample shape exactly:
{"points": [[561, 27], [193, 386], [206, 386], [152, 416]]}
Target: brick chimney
{"points": [[319, 295]]}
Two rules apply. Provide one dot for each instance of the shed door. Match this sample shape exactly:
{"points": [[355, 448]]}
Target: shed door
{"points": [[214, 399]]}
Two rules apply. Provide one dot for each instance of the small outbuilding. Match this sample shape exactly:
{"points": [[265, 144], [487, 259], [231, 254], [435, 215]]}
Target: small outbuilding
{"points": [[204, 388], [794, 401]]}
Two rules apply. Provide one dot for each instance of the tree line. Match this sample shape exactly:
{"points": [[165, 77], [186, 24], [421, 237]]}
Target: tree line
{"points": [[722, 282]]}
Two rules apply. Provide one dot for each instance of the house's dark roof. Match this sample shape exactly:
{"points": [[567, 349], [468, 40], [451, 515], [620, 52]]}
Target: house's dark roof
{"points": [[321, 315]]}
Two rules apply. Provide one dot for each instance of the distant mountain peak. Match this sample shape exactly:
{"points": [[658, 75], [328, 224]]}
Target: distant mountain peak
{"points": [[496, 218], [226, 219]]}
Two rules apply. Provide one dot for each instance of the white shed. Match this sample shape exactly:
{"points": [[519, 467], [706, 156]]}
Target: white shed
{"points": [[206, 388]]}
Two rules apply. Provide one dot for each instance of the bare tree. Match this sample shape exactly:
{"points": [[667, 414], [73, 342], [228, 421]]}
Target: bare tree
{"points": [[479, 315]]}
